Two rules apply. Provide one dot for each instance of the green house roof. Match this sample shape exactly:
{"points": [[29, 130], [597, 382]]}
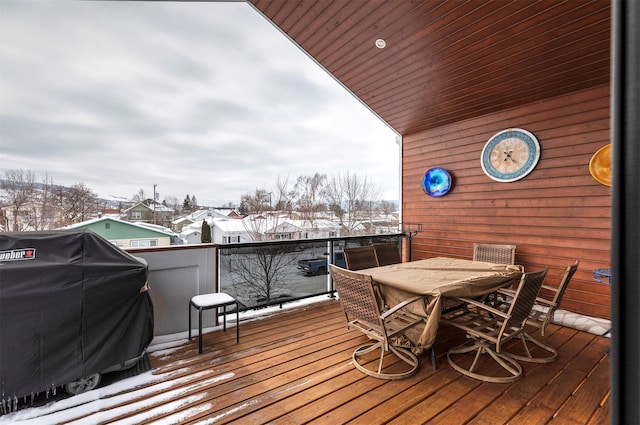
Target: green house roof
{"points": [[110, 229]]}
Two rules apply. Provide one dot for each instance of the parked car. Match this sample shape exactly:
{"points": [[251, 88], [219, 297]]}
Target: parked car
{"points": [[72, 307], [318, 266]]}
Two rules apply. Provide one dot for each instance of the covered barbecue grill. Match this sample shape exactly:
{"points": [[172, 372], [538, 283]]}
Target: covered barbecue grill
{"points": [[72, 306]]}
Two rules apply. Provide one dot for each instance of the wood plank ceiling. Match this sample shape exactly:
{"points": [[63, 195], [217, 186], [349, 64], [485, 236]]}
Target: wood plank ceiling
{"points": [[447, 61]]}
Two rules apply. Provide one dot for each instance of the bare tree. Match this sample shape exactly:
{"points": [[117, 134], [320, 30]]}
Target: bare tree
{"points": [[43, 211], [256, 203], [18, 190], [139, 196], [284, 195], [261, 273], [75, 204], [351, 199], [173, 203], [310, 191], [387, 207]]}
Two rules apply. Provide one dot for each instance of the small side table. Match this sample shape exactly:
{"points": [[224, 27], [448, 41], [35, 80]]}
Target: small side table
{"points": [[213, 300]]}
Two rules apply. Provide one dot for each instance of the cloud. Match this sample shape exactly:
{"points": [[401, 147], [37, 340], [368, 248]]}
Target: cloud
{"points": [[199, 98]]}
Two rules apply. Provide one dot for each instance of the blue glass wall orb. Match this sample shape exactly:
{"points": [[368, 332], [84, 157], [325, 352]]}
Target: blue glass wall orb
{"points": [[436, 182]]}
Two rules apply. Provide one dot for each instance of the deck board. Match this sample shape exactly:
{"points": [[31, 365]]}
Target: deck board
{"points": [[294, 367]]}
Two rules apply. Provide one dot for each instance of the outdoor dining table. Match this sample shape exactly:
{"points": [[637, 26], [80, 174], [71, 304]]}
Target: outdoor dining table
{"points": [[437, 279]]}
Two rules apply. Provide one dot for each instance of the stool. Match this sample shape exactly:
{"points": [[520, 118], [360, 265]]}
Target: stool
{"points": [[214, 300]]}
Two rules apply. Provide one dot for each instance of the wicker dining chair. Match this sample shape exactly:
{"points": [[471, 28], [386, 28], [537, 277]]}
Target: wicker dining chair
{"points": [[488, 329], [494, 253], [362, 312], [362, 257], [541, 314], [387, 253]]}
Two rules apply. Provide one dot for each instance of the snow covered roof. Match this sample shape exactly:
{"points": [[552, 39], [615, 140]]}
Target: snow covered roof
{"points": [[230, 225], [158, 207], [87, 223]]}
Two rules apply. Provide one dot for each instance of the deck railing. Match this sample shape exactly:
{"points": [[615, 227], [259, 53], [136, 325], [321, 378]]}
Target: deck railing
{"points": [[258, 274]]}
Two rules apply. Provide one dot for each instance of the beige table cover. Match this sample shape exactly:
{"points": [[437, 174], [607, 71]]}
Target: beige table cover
{"points": [[438, 278]]}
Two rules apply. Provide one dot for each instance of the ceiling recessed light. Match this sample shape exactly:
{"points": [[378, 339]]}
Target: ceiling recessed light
{"points": [[381, 44]]}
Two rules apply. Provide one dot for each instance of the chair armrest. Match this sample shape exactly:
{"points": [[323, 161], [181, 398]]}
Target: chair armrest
{"points": [[483, 306], [401, 305], [544, 301]]}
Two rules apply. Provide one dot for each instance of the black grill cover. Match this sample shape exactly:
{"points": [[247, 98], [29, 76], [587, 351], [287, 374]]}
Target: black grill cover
{"points": [[71, 304]]}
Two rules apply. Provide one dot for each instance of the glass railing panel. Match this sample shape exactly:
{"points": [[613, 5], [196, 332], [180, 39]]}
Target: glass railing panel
{"points": [[267, 273]]}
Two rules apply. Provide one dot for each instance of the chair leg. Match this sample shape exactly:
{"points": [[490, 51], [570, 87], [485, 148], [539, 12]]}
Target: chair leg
{"points": [[433, 358], [189, 320], [200, 331], [237, 323], [224, 317], [504, 360], [405, 355], [527, 357]]}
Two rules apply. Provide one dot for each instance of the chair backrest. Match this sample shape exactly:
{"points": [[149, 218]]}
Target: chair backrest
{"points": [[362, 257], [387, 253], [494, 253], [525, 298], [357, 295], [568, 274], [558, 293]]}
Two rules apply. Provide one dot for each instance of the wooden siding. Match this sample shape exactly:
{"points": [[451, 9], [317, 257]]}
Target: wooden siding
{"points": [[555, 215]]}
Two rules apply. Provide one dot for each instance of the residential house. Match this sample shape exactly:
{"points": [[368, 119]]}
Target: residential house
{"points": [[190, 234], [209, 214], [125, 234], [21, 220], [230, 230], [180, 223], [286, 230], [156, 213], [29, 217], [319, 228]]}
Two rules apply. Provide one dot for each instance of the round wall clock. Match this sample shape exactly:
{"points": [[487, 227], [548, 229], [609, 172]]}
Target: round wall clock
{"points": [[510, 155]]}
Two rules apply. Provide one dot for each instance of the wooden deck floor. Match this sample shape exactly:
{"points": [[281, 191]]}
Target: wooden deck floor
{"points": [[294, 367]]}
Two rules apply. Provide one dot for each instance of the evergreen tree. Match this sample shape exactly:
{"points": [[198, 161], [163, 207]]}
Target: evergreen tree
{"points": [[186, 204], [206, 232]]}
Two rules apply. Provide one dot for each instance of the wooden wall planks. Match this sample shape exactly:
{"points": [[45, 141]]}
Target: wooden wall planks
{"points": [[555, 215]]}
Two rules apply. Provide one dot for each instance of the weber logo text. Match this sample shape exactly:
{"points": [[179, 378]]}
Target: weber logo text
{"points": [[18, 254]]}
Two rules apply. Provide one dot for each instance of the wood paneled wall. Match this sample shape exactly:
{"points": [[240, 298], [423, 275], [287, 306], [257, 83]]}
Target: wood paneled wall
{"points": [[555, 215]]}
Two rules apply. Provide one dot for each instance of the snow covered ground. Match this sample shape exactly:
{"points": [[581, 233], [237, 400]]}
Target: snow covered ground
{"points": [[99, 405]]}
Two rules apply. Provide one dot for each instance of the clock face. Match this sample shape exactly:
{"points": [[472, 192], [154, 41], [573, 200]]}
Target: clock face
{"points": [[510, 155]]}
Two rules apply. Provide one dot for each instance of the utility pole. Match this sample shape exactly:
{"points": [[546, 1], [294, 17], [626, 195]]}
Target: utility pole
{"points": [[154, 204]]}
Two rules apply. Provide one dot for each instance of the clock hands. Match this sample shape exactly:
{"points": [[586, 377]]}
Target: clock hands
{"points": [[508, 156]]}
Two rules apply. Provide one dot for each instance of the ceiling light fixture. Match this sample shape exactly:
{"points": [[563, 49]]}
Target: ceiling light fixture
{"points": [[380, 43]]}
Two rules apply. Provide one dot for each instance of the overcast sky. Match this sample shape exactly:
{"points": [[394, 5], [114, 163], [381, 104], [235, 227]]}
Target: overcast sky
{"points": [[207, 99]]}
